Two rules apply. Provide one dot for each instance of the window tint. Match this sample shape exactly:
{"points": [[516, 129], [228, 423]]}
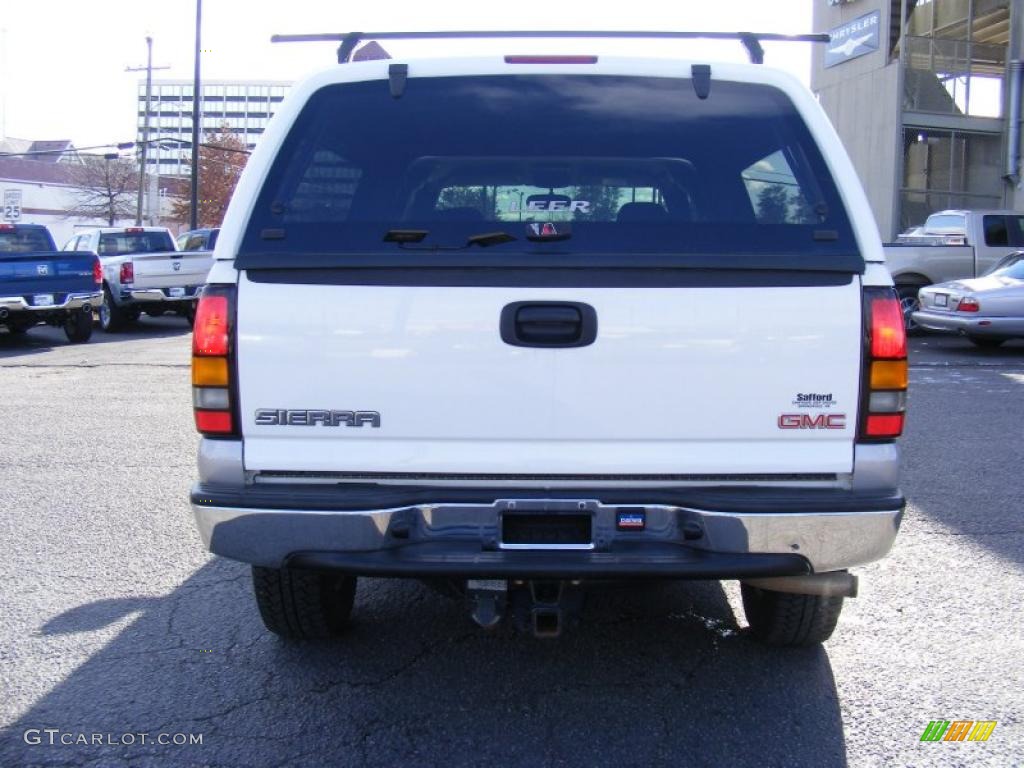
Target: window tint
{"points": [[28, 240], [639, 167], [120, 243], [995, 230], [1015, 229]]}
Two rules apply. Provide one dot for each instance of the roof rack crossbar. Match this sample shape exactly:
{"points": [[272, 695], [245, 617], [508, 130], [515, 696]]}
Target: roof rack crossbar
{"points": [[751, 40]]}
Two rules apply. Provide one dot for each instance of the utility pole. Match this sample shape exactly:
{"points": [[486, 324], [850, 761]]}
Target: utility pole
{"points": [[196, 118], [144, 144]]}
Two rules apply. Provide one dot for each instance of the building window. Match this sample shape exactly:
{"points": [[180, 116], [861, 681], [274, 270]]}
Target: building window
{"points": [[956, 57], [948, 169]]}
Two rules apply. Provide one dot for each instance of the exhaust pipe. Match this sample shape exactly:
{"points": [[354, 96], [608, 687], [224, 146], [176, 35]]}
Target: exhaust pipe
{"points": [[3, 313], [87, 308], [831, 584]]}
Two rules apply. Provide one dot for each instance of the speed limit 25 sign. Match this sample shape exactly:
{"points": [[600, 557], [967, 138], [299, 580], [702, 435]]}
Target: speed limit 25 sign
{"points": [[12, 204]]}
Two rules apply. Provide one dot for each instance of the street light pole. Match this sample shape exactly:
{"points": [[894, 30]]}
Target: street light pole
{"points": [[196, 118], [144, 143]]}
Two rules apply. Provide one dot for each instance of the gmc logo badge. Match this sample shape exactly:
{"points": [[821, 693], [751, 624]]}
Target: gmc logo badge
{"points": [[807, 421]]}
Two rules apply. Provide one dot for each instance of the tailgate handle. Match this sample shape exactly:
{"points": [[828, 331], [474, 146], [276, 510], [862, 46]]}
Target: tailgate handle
{"points": [[548, 324]]}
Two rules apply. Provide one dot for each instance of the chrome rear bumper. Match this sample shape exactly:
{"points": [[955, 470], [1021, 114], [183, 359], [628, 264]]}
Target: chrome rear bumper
{"points": [[466, 539], [71, 301], [156, 294], [970, 325]]}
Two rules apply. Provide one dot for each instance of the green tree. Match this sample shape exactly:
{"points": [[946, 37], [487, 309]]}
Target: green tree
{"points": [[604, 202], [773, 204]]}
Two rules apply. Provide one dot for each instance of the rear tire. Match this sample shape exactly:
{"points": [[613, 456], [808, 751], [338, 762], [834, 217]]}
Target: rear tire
{"points": [[909, 303], [20, 328], [985, 342], [787, 620], [112, 317], [302, 604], [78, 327]]}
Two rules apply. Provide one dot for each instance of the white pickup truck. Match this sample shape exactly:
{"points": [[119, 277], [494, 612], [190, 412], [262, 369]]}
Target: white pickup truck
{"points": [[556, 319], [143, 272], [951, 245]]}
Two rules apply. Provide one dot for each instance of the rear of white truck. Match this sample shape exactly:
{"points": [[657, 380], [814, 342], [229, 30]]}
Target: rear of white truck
{"points": [[515, 324]]}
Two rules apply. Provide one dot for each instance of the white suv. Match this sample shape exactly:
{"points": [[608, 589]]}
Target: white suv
{"points": [[517, 323]]}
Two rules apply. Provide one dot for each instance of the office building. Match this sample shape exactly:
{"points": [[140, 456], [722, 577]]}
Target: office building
{"points": [[244, 106]]}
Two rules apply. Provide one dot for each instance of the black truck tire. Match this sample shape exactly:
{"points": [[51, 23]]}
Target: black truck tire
{"points": [[20, 328], [788, 620], [909, 303], [78, 327], [302, 604], [112, 317]]}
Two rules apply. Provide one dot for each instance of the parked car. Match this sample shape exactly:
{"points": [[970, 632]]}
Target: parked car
{"points": [[39, 284], [987, 310], [951, 245], [142, 272], [198, 239], [657, 342]]}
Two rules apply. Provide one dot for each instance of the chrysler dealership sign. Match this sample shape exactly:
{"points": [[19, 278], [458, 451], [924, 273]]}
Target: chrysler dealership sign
{"points": [[853, 39]]}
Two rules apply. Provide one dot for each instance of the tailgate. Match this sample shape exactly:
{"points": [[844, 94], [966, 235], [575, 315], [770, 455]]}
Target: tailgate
{"points": [[57, 273], [698, 243], [678, 381], [168, 270]]}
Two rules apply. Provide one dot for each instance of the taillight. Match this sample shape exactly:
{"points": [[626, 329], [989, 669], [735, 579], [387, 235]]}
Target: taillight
{"points": [[968, 304], [884, 391], [97, 272], [214, 395], [127, 273]]}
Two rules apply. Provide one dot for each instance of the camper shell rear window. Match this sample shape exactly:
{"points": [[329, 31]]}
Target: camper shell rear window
{"points": [[627, 171]]}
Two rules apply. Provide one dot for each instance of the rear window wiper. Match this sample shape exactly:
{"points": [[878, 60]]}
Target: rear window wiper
{"points": [[410, 238]]}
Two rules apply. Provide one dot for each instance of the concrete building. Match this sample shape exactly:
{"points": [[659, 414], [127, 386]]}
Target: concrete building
{"points": [[923, 93], [245, 106]]}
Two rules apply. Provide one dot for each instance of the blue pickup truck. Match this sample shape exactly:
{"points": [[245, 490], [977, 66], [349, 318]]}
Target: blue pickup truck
{"points": [[39, 284]]}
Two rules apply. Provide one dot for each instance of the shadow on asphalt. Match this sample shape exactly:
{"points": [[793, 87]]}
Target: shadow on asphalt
{"points": [[938, 348], [656, 676], [979, 464], [43, 338]]}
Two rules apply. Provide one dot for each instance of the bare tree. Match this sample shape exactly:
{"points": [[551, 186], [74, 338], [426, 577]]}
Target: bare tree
{"points": [[105, 188]]}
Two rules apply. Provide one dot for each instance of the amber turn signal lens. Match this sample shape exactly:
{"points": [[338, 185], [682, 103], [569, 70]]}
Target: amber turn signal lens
{"points": [[209, 372], [889, 374]]}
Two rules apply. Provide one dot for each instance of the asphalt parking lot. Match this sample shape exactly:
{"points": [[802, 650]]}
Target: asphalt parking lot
{"points": [[116, 622]]}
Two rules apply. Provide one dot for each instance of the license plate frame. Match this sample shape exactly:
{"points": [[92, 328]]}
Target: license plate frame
{"points": [[42, 300], [176, 293], [941, 299]]}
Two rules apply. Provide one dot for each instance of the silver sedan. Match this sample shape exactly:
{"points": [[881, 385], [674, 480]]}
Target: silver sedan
{"points": [[988, 310]]}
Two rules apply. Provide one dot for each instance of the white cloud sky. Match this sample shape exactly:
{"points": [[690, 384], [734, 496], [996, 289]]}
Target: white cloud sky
{"points": [[62, 61]]}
